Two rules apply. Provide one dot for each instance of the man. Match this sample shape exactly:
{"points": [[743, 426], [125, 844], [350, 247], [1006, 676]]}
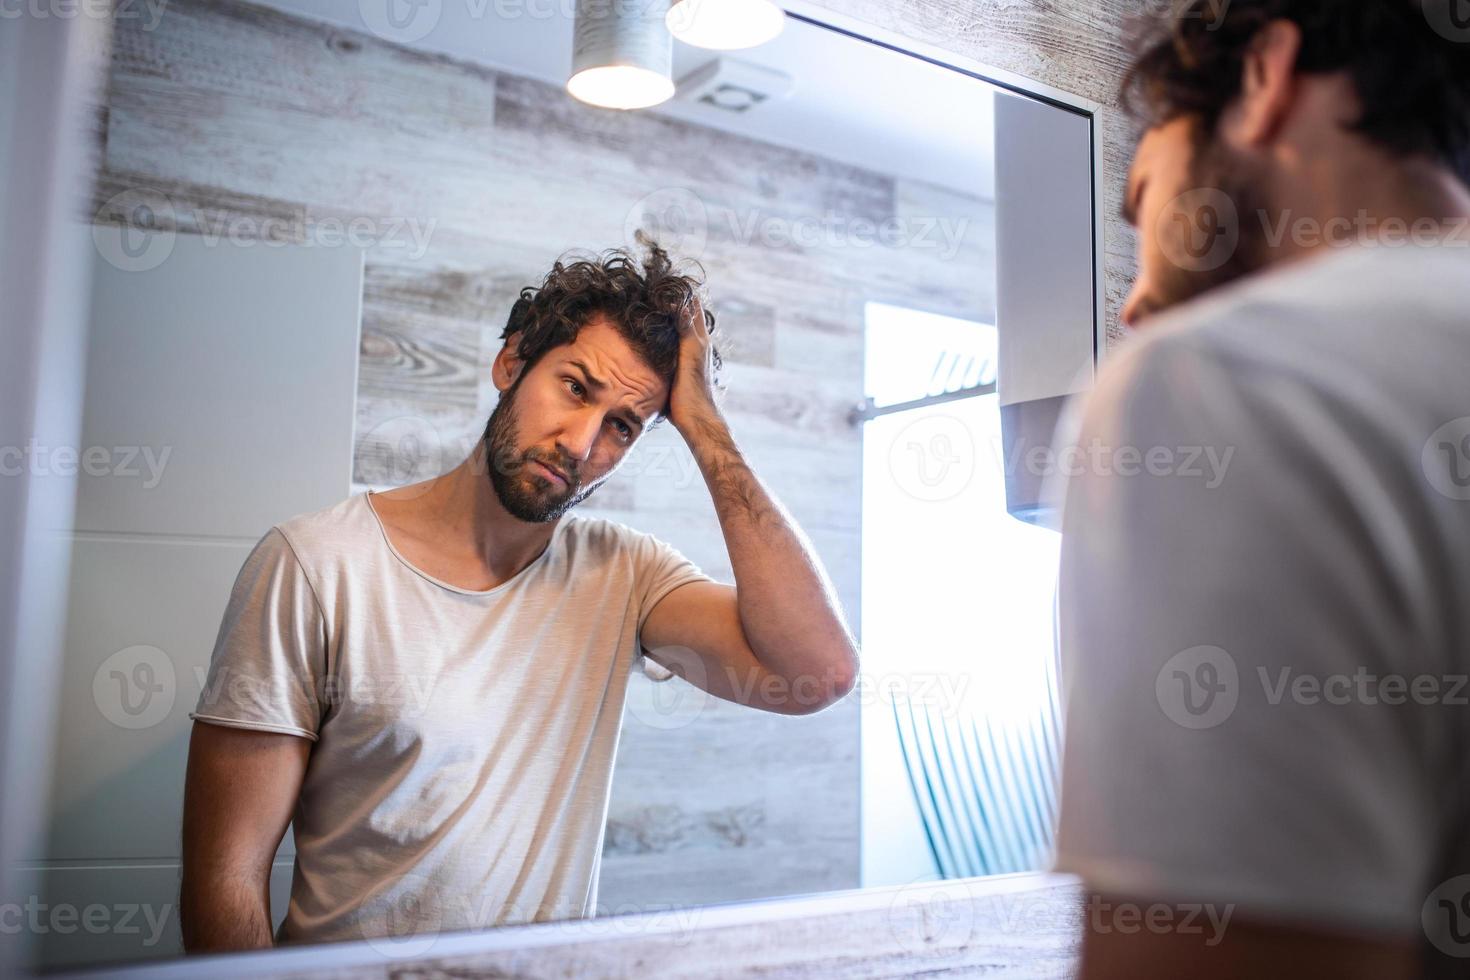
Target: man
{"points": [[1265, 772], [428, 682]]}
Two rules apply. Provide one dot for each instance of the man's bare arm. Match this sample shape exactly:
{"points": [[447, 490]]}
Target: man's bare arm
{"points": [[783, 612], [239, 793]]}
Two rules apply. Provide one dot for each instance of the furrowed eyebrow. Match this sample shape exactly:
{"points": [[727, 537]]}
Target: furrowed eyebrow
{"points": [[597, 384], [593, 381]]}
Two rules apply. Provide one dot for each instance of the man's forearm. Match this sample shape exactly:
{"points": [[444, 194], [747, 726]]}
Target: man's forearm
{"points": [[225, 913], [788, 608]]}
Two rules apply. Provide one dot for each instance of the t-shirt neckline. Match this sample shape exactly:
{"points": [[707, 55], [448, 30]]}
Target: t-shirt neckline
{"points": [[518, 576]]}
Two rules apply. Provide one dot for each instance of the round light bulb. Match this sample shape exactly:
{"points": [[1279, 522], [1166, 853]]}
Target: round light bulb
{"points": [[725, 25]]}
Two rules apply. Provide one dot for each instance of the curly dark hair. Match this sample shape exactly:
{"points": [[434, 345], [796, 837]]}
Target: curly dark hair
{"points": [[1408, 58], [645, 300]]}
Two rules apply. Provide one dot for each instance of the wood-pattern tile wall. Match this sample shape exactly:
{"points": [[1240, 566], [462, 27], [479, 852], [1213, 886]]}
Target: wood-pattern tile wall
{"points": [[238, 121]]}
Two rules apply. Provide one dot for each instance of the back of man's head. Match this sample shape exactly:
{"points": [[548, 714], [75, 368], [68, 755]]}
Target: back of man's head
{"points": [[1409, 61]]}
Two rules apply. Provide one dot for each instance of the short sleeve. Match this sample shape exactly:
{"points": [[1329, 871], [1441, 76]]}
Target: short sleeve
{"points": [[658, 570], [1237, 549], [269, 662]]}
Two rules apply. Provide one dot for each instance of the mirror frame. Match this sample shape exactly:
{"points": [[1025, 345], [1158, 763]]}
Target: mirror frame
{"points": [[33, 140]]}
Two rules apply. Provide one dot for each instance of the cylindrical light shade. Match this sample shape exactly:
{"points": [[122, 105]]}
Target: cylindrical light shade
{"points": [[622, 55], [725, 25]]}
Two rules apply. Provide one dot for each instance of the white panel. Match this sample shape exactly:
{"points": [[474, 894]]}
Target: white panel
{"points": [[239, 362], [1045, 298], [149, 604], [98, 913]]}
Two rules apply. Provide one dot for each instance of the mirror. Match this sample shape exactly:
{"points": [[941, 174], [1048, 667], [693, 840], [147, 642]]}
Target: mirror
{"points": [[311, 223]]}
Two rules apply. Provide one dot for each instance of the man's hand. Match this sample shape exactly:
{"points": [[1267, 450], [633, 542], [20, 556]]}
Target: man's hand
{"points": [[692, 399], [782, 622]]}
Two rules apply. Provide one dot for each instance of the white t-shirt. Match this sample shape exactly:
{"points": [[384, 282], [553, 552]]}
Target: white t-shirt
{"points": [[1236, 633], [464, 740]]}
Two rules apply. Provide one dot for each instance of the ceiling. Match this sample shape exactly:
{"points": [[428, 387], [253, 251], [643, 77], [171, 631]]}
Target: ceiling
{"points": [[852, 101]]}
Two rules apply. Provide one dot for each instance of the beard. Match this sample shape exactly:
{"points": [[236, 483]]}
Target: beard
{"points": [[1218, 235], [525, 493]]}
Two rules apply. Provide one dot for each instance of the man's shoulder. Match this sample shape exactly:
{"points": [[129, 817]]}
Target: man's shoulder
{"points": [[337, 529], [599, 536], [1316, 315]]}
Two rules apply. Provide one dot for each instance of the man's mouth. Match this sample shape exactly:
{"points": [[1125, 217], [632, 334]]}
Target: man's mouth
{"points": [[551, 472]]}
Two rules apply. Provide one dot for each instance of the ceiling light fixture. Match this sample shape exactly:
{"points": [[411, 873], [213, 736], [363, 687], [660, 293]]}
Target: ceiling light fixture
{"points": [[725, 25], [622, 56]]}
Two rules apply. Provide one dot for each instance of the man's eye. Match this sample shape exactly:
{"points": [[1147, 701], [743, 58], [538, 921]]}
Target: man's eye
{"points": [[576, 387], [623, 428]]}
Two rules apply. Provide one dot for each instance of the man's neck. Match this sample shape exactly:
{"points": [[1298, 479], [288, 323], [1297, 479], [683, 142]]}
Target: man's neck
{"points": [[1369, 198], [461, 512]]}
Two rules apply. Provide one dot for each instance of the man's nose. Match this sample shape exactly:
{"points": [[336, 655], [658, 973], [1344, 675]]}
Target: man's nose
{"points": [[580, 435], [1133, 308]]}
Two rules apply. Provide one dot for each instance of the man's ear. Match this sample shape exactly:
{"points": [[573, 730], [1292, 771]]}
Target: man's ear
{"points": [[507, 366], [1268, 86]]}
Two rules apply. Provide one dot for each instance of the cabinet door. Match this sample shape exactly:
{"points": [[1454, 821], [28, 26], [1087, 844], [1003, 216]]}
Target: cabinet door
{"points": [[1046, 292]]}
